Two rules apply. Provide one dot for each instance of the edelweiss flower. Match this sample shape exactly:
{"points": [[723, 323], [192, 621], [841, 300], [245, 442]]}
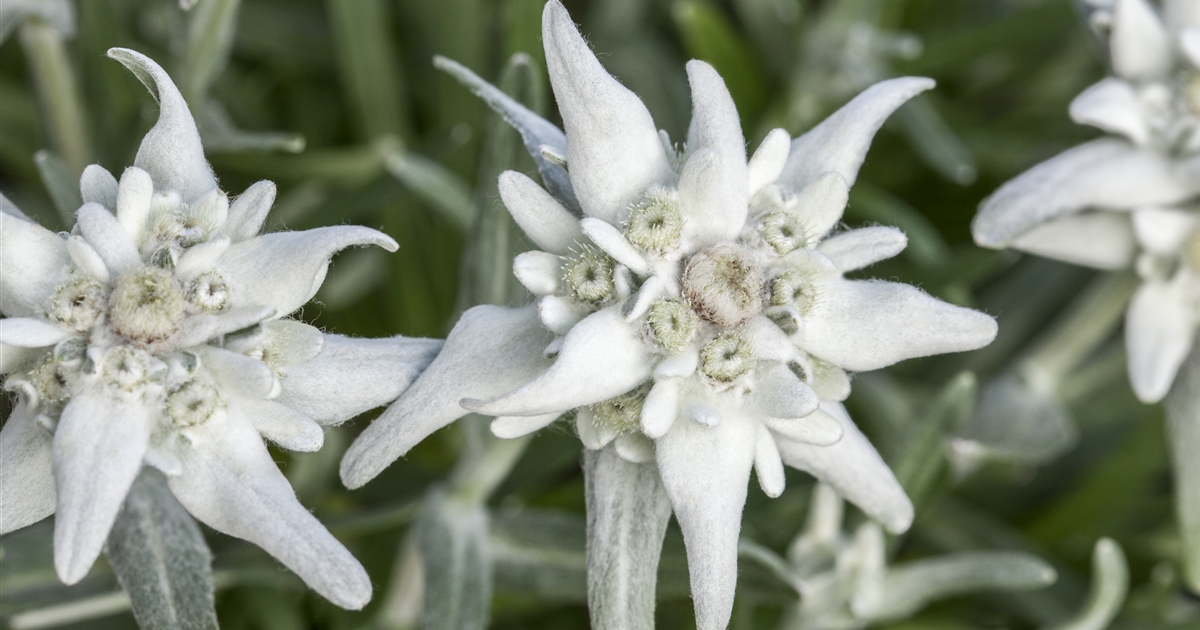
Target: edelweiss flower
{"points": [[152, 334], [1117, 203], [696, 317]]}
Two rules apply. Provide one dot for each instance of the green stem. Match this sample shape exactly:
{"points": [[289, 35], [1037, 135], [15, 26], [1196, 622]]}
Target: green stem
{"points": [[1089, 322], [210, 40], [58, 91]]}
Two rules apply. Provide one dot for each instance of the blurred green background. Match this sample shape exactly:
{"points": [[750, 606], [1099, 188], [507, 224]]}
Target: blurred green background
{"points": [[389, 142]]}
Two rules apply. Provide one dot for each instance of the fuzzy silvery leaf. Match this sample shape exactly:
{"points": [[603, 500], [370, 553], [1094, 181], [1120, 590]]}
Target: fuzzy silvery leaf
{"points": [[453, 538], [536, 132], [1013, 422], [1183, 438], [58, 13], [1110, 585], [628, 512], [161, 559]]}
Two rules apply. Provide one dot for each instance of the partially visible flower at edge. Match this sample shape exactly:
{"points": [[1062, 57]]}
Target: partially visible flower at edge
{"points": [[697, 318], [154, 333]]}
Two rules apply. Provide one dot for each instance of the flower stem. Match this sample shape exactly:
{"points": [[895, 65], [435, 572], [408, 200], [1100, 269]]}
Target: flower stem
{"points": [[1183, 439], [1088, 322]]}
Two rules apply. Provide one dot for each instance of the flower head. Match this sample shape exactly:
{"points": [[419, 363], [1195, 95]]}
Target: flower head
{"points": [[696, 315], [152, 334], [1127, 201]]}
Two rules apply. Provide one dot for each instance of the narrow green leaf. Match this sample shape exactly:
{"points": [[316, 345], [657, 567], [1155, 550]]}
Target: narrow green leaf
{"points": [[211, 25], [708, 35], [161, 559], [58, 90], [924, 456], [1110, 584], [1183, 436], [540, 552], [433, 183], [371, 77], [911, 586], [458, 564], [936, 142], [61, 184]]}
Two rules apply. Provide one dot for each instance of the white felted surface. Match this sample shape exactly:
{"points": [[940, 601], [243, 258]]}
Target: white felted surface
{"points": [[1105, 173], [865, 325], [1103, 240], [1159, 330], [817, 428], [822, 202], [285, 269], [602, 357], [98, 185], [543, 219], [27, 492], [108, 237], [352, 375], [86, 259], [198, 329], [767, 162], [1114, 106], [627, 516], [538, 271], [713, 198], [614, 154], [249, 211], [280, 424], [230, 483], [33, 261], [863, 247], [661, 407], [780, 394], [489, 351], [839, 143], [236, 372], [705, 471], [509, 427], [768, 467], [1139, 44], [854, 468], [98, 448], [29, 332], [1163, 231], [612, 241], [171, 151], [134, 195]]}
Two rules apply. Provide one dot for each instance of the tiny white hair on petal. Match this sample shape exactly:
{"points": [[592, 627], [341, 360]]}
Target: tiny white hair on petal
{"points": [[27, 493], [508, 427], [863, 247], [609, 238], [31, 332], [98, 185], [713, 197], [768, 466], [543, 219], [248, 211], [765, 166], [33, 263], [134, 196], [281, 424], [105, 233]]}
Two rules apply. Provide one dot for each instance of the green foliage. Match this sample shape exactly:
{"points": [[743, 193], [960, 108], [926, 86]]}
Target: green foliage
{"points": [[390, 141]]}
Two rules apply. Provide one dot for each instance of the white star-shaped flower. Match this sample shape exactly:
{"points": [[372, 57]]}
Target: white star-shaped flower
{"points": [[153, 334], [697, 316], [1127, 201]]}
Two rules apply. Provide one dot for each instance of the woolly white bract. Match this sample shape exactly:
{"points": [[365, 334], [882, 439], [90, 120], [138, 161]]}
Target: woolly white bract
{"points": [[1127, 201], [153, 334], [697, 315]]}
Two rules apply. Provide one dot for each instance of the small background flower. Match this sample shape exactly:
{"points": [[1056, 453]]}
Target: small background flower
{"points": [[392, 143]]}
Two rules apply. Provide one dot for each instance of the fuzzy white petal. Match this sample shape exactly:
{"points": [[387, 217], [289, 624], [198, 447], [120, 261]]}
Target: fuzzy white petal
{"points": [[713, 196], [863, 247], [33, 263], [30, 332], [352, 375], [108, 237], [15, 358], [87, 259], [660, 408], [231, 484], [509, 427], [281, 424], [817, 428], [1189, 44], [543, 219], [558, 314], [1103, 240], [538, 271], [839, 143], [291, 343], [200, 258], [237, 372], [1159, 329], [679, 365], [171, 151], [198, 329], [1105, 173], [634, 448], [489, 351], [592, 434], [855, 470], [865, 325], [248, 211], [822, 202], [26, 471], [211, 208], [780, 394], [285, 269], [98, 448], [614, 153], [134, 195], [610, 239], [1163, 231], [98, 185], [1139, 43], [602, 357], [1112, 105], [767, 464], [705, 471], [767, 162], [651, 290]]}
